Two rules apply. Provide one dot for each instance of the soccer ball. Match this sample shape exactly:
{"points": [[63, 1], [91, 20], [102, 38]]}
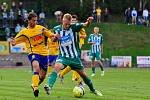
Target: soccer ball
{"points": [[78, 91]]}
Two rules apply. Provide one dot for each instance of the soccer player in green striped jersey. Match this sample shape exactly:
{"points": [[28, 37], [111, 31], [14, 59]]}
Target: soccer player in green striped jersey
{"points": [[95, 40], [68, 38]]}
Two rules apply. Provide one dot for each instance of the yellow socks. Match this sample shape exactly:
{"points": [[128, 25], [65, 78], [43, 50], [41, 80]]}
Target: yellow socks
{"points": [[76, 77], [65, 71], [35, 80], [49, 70]]}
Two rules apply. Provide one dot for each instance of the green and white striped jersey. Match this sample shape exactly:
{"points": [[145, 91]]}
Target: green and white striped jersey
{"points": [[98, 41], [69, 40]]}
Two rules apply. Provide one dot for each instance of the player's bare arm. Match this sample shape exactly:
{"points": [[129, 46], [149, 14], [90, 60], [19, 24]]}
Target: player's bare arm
{"points": [[89, 20], [18, 40], [56, 37], [91, 42], [48, 33], [102, 48]]}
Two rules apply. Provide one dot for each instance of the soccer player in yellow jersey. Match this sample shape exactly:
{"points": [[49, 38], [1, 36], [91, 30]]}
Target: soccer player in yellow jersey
{"points": [[53, 53], [34, 36], [82, 35]]}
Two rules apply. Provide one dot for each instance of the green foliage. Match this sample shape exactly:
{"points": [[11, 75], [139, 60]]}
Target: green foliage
{"points": [[73, 6], [66, 6]]}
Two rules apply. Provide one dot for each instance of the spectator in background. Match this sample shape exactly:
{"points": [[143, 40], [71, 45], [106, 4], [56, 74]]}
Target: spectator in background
{"points": [[11, 18], [98, 14], [17, 28], [106, 14], [41, 20], [58, 15], [149, 19], [4, 7], [42, 15], [20, 6], [14, 9], [127, 15], [25, 14], [8, 33], [134, 16], [145, 14], [94, 15], [145, 17], [13, 6], [4, 19], [20, 18]]}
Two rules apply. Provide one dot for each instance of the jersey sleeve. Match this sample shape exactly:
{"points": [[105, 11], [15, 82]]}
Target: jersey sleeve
{"points": [[77, 27], [82, 31], [101, 40], [20, 37], [89, 39], [48, 33], [57, 29]]}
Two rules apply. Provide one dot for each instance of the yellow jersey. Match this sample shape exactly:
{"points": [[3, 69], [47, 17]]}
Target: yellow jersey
{"points": [[82, 32], [53, 47], [34, 39], [98, 10]]}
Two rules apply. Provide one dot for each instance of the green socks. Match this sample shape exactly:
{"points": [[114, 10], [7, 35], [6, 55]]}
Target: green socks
{"points": [[89, 83], [93, 70], [52, 79]]}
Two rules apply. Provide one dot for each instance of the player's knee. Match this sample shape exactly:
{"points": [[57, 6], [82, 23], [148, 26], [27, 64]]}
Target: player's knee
{"points": [[42, 76], [35, 65], [57, 67]]}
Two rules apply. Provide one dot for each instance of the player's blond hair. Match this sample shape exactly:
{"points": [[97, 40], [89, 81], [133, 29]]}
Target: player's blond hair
{"points": [[96, 27], [67, 16]]}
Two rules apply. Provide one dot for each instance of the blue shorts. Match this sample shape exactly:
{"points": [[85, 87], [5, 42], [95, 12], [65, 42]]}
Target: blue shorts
{"points": [[43, 60], [52, 59]]}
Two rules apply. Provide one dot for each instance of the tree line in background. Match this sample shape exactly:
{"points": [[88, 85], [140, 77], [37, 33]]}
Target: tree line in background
{"points": [[74, 6], [116, 7]]}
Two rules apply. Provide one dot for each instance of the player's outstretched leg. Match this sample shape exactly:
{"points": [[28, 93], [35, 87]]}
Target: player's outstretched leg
{"points": [[63, 73], [76, 77], [53, 75], [101, 67], [36, 92], [93, 68], [35, 78], [35, 82]]}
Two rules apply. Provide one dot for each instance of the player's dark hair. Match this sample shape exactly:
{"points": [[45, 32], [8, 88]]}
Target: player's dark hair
{"points": [[31, 15], [75, 16]]}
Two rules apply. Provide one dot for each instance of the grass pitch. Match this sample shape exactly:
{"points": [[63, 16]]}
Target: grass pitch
{"points": [[117, 84]]}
